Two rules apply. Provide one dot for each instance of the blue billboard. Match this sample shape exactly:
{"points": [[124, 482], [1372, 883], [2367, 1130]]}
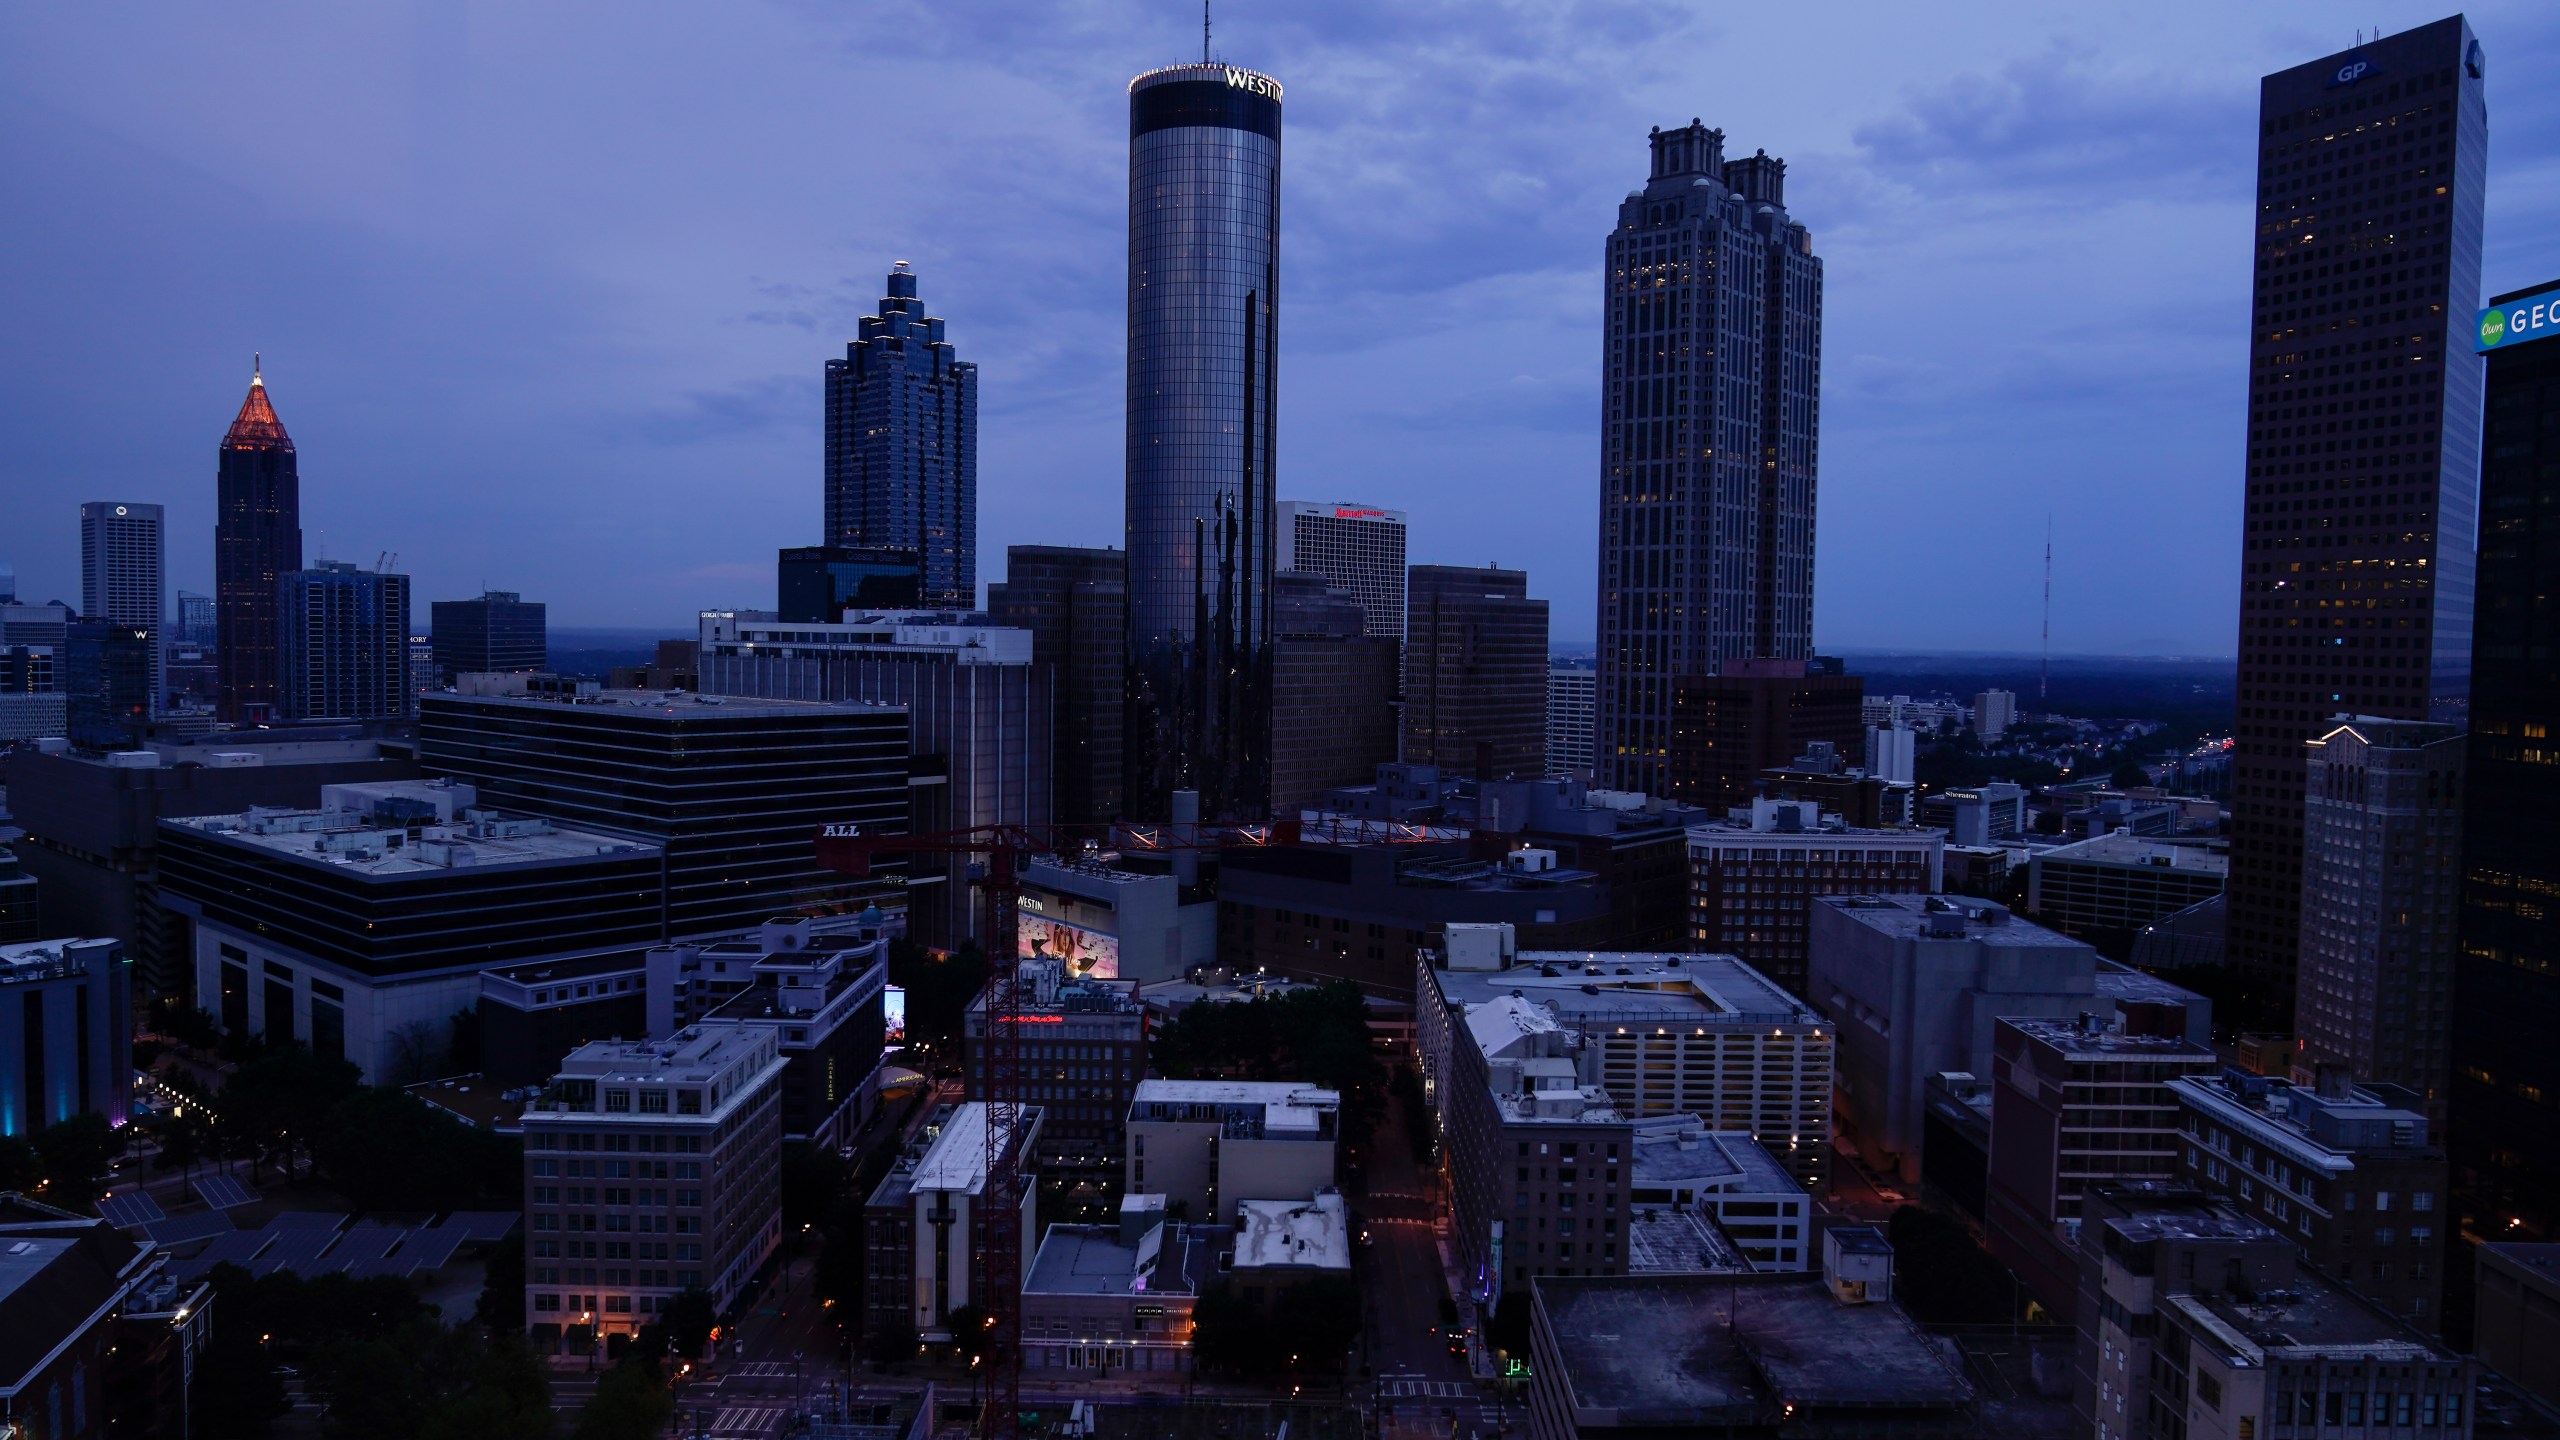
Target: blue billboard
{"points": [[2535, 317]]}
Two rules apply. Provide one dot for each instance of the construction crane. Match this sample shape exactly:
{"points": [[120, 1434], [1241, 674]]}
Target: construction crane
{"points": [[850, 850]]}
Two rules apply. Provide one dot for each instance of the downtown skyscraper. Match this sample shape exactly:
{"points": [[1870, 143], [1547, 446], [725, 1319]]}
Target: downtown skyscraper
{"points": [[1711, 380], [1204, 274], [257, 541], [2364, 442], [902, 446], [2506, 993], [124, 577]]}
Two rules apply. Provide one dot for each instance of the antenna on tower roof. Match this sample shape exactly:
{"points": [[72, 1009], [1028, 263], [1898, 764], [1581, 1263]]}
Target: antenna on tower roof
{"points": [[1204, 32], [2044, 669]]}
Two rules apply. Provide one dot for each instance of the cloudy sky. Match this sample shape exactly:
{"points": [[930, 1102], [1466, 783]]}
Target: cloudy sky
{"points": [[545, 290]]}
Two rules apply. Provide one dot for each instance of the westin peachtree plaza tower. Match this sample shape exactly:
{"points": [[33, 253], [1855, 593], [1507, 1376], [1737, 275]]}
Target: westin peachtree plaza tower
{"points": [[1204, 272]]}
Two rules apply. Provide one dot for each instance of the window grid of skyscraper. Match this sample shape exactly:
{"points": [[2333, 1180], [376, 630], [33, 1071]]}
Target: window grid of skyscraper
{"points": [[1204, 233], [1355, 547], [123, 576], [2364, 403], [1712, 374], [902, 445]]}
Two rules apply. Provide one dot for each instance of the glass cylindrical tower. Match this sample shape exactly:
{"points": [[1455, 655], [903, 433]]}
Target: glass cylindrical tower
{"points": [[1204, 269]]}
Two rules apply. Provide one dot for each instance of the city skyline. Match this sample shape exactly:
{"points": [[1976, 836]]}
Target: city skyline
{"points": [[724, 335]]}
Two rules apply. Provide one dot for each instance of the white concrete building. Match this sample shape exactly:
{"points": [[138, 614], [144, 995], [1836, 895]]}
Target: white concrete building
{"points": [[651, 1167], [1207, 1145]]}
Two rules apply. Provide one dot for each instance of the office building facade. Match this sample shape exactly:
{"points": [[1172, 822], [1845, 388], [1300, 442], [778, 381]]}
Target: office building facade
{"points": [[978, 722], [257, 541], [902, 445], [736, 789], [817, 583], [1356, 547], [2117, 883], [359, 927], [2199, 1321], [1203, 437], [696, 1120], [1727, 728], [1571, 690], [1711, 409], [66, 1033], [2364, 459], [2505, 1121], [1082, 1053], [2381, 888], [925, 1227], [2350, 1173], [105, 674], [1753, 882], [343, 640], [1333, 692], [500, 632], [2074, 1102], [1075, 603], [124, 576], [1475, 672]]}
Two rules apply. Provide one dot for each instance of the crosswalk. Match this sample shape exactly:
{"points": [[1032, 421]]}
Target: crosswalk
{"points": [[1393, 1388], [747, 1420], [763, 1369]]}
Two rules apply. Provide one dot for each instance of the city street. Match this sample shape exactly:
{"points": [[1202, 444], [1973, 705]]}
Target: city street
{"points": [[1417, 1386]]}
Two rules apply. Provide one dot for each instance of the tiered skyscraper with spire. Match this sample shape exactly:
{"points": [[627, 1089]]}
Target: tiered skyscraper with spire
{"points": [[902, 445], [1712, 376], [257, 538]]}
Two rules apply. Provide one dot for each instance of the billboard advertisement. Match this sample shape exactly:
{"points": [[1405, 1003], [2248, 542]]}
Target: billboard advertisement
{"points": [[1090, 954], [2534, 317]]}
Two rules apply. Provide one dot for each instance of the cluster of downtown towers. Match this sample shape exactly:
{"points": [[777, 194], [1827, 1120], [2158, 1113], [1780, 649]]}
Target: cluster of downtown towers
{"points": [[2364, 486]]}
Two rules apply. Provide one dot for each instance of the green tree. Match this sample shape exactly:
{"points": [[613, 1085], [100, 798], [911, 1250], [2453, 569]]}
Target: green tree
{"points": [[185, 1140], [501, 1304], [76, 1154], [1228, 1336], [968, 1330], [1317, 1320], [280, 1097], [20, 1167], [890, 1341], [690, 1317], [629, 1404]]}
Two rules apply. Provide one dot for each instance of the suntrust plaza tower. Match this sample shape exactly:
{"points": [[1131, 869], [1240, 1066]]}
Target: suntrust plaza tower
{"points": [[1204, 270]]}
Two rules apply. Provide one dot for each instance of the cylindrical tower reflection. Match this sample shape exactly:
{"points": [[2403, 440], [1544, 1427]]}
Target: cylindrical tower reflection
{"points": [[1204, 266]]}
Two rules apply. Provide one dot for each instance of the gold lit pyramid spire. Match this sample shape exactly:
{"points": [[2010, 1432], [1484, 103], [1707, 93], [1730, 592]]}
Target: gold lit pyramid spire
{"points": [[257, 427]]}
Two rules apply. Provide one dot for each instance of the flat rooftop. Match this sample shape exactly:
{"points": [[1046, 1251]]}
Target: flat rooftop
{"points": [[1232, 1092], [1724, 1159], [957, 1160], [1313, 1234], [2140, 852], [2069, 1038], [1712, 1350], [1590, 988], [697, 1054], [374, 845], [1090, 1260], [2309, 1316], [1908, 917], [1662, 1240], [668, 704]]}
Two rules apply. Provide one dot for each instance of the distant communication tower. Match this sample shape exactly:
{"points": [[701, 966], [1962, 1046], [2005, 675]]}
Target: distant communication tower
{"points": [[2044, 669]]}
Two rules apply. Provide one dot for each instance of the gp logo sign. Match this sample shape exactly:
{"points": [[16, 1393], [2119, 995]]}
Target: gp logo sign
{"points": [[2517, 321], [2352, 69]]}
